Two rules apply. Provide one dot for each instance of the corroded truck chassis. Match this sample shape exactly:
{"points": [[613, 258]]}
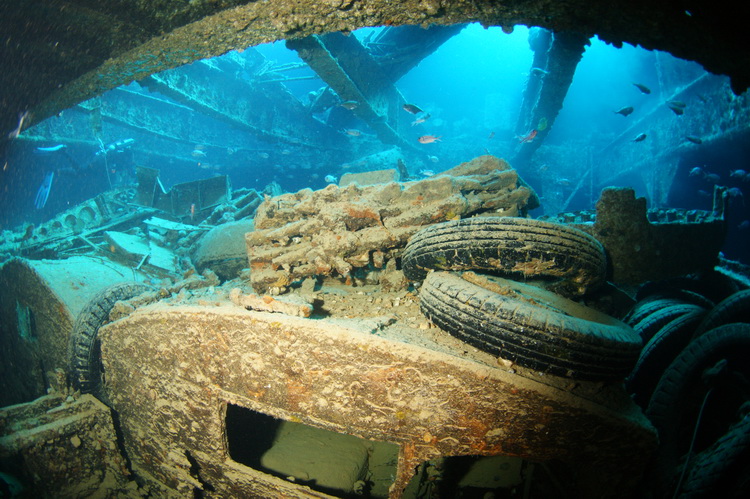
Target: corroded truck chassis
{"points": [[172, 370]]}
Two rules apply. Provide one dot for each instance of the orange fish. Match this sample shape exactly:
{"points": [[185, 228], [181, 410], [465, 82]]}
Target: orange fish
{"points": [[427, 139], [527, 138], [353, 132]]}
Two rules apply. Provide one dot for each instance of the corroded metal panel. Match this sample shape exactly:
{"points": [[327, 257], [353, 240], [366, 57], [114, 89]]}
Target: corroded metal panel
{"points": [[39, 301], [346, 66], [265, 108], [59, 446], [641, 251], [91, 47], [171, 371]]}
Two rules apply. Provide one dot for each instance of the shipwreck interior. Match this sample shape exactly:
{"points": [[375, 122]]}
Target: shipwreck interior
{"points": [[246, 252]]}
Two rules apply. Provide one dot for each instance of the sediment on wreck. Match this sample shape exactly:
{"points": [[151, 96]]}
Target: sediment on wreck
{"points": [[180, 374], [44, 297], [332, 231]]}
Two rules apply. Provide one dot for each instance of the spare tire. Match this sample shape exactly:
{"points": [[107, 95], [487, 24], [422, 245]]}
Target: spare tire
{"points": [[717, 470], [223, 249], [734, 308], [659, 352], [530, 326], [85, 353], [531, 248], [644, 309], [647, 327], [680, 396]]}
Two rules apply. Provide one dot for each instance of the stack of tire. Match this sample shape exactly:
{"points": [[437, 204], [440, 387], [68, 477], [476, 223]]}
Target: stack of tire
{"points": [[527, 325], [693, 380]]}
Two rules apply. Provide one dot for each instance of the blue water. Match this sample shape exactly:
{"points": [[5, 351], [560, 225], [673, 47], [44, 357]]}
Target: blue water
{"points": [[472, 86]]}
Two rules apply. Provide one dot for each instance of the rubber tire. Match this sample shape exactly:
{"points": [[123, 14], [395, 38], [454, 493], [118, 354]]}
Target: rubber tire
{"points": [[85, 352], [659, 352], [712, 285], [682, 288], [714, 467], [679, 381], [652, 324], [530, 326], [735, 308], [645, 308], [520, 246]]}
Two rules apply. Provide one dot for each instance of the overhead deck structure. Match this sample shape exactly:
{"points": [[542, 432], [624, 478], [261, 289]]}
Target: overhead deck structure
{"points": [[397, 49], [547, 87], [59, 53], [266, 109], [365, 74]]}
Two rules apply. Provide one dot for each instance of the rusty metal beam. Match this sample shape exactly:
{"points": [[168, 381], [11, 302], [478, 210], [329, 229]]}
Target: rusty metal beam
{"points": [[346, 66], [540, 40], [712, 114], [397, 49], [172, 370], [565, 52], [266, 109]]}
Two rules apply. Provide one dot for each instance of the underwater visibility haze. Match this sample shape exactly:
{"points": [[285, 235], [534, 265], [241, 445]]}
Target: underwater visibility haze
{"points": [[471, 89], [382, 236]]}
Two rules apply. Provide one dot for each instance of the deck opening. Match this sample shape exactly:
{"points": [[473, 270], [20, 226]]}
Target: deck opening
{"points": [[334, 463]]}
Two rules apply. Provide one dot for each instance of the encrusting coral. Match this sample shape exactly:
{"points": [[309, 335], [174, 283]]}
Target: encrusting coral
{"points": [[332, 231]]}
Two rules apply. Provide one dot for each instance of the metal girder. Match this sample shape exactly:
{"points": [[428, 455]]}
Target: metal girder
{"points": [[347, 67], [266, 109], [429, 403], [711, 116], [540, 40], [397, 49], [565, 53]]}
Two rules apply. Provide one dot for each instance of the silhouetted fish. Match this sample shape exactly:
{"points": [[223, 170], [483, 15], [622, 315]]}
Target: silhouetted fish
{"points": [[679, 111], [640, 137], [625, 111], [642, 88], [411, 108], [694, 139], [735, 192]]}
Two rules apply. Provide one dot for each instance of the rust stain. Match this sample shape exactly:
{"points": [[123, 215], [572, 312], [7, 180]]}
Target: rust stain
{"points": [[296, 393]]}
